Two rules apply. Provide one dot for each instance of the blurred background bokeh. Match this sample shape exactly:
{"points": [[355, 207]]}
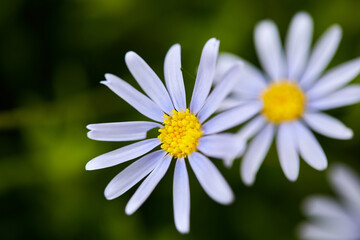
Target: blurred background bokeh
{"points": [[54, 53]]}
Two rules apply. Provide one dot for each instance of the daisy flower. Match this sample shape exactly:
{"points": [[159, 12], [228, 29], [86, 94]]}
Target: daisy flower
{"points": [[330, 218], [291, 95], [183, 132]]}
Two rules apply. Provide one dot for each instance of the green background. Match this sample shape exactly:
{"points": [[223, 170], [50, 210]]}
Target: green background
{"points": [[53, 54]]}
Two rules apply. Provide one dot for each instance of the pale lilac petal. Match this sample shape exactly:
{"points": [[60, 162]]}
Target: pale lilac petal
{"points": [[224, 146], [321, 55], [309, 147], [286, 147], [148, 185], [219, 93], [132, 96], [347, 184], [269, 49], [325, 208], [298, 44], [251, 128], [181, 194], [174, 78], [131, 175], [232, 117], [148, 81], [327, 125], [327, 231], [123, 154], [120, 131], [343, 97], [211, 179], [205, 75], [255, 154], [230, 103], [225, 61], [335, 79]]}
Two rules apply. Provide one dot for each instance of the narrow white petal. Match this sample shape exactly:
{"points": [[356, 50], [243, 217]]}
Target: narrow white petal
{"points": [[230, 103], [149, 81], [232, 117], [251, 128], [225, 61], [322, 54], [181, 195], [309, 147], [225, 146], [327, 125], [123, 154], [343, 97], [298, 44], [205, 75], [286, 147], [325, 208], [132, 174], [148, 185], [269, 49], [347, 184], [120, 131], [335, 79], [220, 92], [132, 96], [211, 179], [255, 154], [327, 231], [174, 78]]}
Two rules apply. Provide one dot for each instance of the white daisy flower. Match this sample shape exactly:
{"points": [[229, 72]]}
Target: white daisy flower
{"points": [[330, 218], [290, 96], [183, 132]]}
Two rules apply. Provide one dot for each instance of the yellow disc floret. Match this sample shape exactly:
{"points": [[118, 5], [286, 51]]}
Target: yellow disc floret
{"points": [[283, 101], [180, 133]]}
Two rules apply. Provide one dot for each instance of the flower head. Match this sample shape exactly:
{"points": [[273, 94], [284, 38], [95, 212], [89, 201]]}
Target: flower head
{"points": [[183, 132], [290, 96], [334, 218]]}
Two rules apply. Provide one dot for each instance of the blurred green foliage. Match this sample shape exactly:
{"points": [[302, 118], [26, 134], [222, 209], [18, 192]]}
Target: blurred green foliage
{"points": [[53, 55]]}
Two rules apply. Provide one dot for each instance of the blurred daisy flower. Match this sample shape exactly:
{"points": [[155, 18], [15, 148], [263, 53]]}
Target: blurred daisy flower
{"points": [[183, 133], [334, 219], [290, 96]]}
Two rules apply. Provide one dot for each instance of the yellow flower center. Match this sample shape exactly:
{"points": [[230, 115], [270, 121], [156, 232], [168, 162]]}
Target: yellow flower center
{"points": [[283, 101], [180, 133]]}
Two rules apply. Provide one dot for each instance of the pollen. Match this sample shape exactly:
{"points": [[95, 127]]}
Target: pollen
{"points": [[180, 133], [283, 101]]}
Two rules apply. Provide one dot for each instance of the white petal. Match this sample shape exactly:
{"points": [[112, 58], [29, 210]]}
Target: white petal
{"points": [[219, 93], [174, 78], [309, 148], [327, 231], [148, 185], [255, 154], [231, 117], [286, 147], [251, 128], [269, 49], [181, 194], [205, 75], [327, 126], [323, 52], [120, 131], [335, 79], [149, 81], [298, 43], [325, 208], [132, 174], [224, 146], [225, 61], [123, 154], [211, 179], [230, 103], [347, 184], [132, 96], [343, 97]]}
